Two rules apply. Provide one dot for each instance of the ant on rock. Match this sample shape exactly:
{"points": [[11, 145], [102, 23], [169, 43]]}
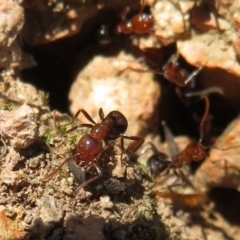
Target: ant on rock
{"points": [[90, 147], [160, 163], [173, 73], [141, 23]]}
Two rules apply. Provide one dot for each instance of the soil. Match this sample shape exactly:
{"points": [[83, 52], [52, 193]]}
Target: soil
{"points": [[53, 60]]}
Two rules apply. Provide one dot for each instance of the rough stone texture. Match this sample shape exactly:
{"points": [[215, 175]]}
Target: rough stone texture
{"points": [[110, 83], [13, 90], [11, 23], [215, 48], [50, 20], [10, 223], [88, 228], [19, 126], [50, 209], [222, 168], [171, 20]]}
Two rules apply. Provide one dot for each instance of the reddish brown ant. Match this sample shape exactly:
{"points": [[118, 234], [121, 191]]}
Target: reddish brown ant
{"points": [[195, 151], [141, 23], [90, 146], [173, 73], [159, 62]]}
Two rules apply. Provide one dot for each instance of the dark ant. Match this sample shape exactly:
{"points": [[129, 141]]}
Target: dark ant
{"points": [[141, 23], [90, 146]]}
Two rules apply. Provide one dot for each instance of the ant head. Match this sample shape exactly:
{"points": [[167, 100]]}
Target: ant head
{"points": [[124, 27], [196, 150], [158, 163], [119, 125]]}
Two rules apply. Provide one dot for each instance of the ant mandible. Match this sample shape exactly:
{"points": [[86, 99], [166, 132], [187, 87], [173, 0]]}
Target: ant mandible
{"points": [[141, 23], [90, 147]]}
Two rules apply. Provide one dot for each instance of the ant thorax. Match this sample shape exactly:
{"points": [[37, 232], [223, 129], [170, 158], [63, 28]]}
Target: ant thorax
{"points": [[100, 130]]}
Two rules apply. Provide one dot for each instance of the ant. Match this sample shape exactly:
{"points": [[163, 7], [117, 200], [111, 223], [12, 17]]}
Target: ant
{"points": [[141, 23], [173, 73], [90, 147], [194, 151]]}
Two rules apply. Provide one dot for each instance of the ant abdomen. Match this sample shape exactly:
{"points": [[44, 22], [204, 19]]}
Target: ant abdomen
{"points": [[88, 148], [143, 23]]}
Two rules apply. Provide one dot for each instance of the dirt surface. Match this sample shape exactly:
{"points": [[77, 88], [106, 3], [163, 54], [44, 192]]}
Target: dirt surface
{"points": [[72, 58]]}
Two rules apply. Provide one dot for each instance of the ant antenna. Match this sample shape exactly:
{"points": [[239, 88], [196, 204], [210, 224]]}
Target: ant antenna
{"points": [[207, 105], [205, 92]]}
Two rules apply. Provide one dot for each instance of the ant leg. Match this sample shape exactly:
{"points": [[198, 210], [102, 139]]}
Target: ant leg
{"points": [[124, 13], [223, 149], [173, 59], [89, 180], [192, 75], [201, 126], [86, 115], [101, 114], [84, 184], [205, 92], [49, 176], [80, 125], [86, 125], [139, 141], [143, 4]]}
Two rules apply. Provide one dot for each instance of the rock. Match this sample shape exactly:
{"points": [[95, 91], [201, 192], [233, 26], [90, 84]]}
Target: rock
{"points": [[11, 227], [213, 49], [13, 178], [89, 228], [222, 168], [48, 21], [171, 20], [11, 23], [50, 210], [111, 83], [19, 126]]}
